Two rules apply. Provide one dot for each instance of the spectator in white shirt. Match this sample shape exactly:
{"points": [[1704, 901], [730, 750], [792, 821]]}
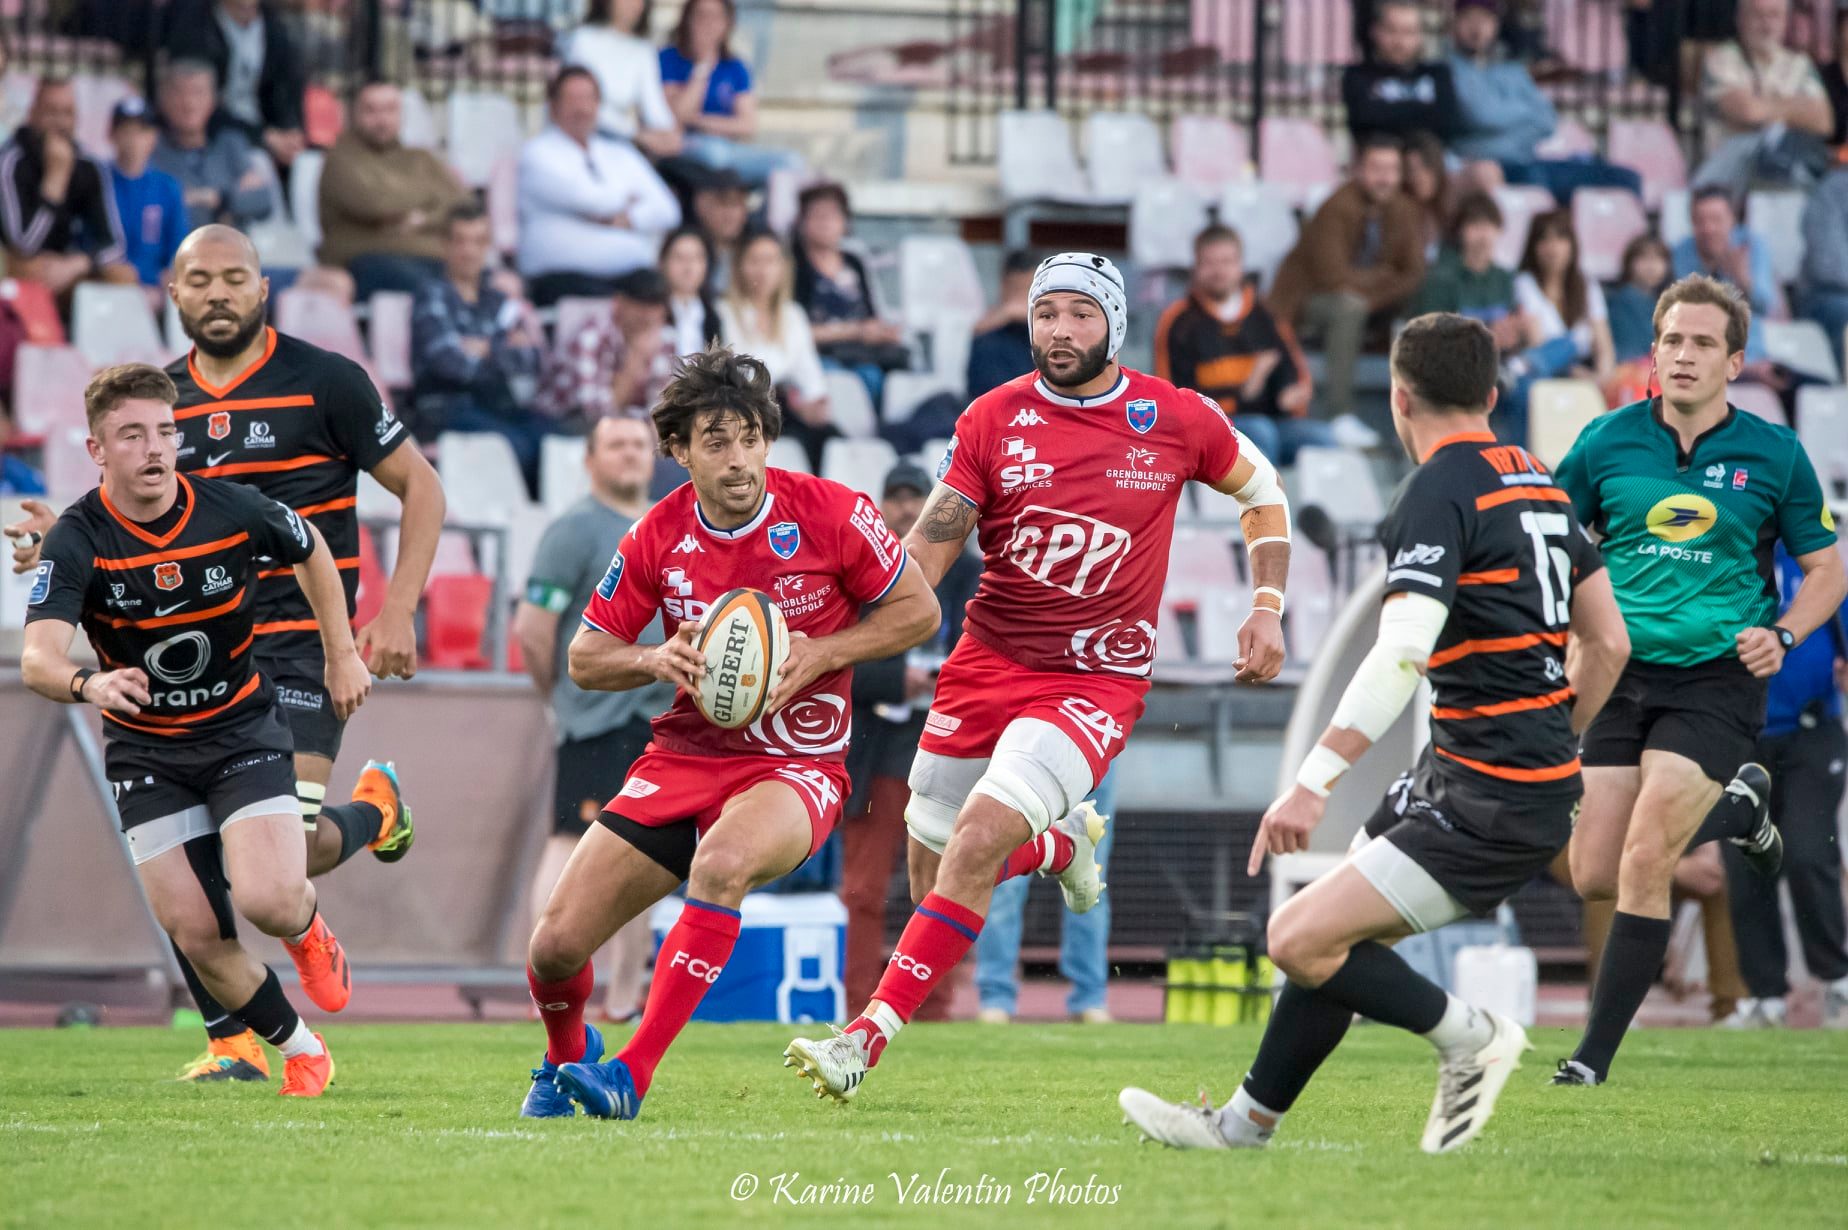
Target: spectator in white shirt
{"points": [[1555, 299], [759, 316], [686, 262], [611, 44], [591, 207]]}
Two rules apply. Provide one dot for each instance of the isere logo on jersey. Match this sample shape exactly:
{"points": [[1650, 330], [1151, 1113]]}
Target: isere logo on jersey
{"points": [[167, 576], [259, 436], [1028, 417], [873, 528], [785, 538], [1067, 550], [1028, 472], [219, 425]]}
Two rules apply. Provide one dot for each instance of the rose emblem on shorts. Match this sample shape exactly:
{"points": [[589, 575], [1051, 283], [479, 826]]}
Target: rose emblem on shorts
{"points": [[1124, 646], [812, 725]]}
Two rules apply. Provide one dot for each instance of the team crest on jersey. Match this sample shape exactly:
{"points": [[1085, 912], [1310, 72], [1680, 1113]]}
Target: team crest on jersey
{"points": [[167, 576], [219, 425], [1141, 414], [785, 538]]}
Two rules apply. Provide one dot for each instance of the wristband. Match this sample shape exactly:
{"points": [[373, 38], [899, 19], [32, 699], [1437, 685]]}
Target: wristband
{"points": [[1255, 543], [1271, 590], [81, 677], [1322, 767]]}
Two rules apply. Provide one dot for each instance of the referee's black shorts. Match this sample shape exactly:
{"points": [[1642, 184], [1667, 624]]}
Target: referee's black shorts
{"points": [[1710, 713], [591, 771]]}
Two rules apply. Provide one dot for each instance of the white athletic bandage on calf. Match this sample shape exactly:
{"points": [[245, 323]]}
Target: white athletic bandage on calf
{"points": [[312, 795], [939, 786], [1038, 771], [1388, 675]]}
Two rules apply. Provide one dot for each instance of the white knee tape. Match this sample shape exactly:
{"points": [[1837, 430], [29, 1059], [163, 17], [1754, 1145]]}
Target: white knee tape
{"points": [[939, 785], [1038, 771]]}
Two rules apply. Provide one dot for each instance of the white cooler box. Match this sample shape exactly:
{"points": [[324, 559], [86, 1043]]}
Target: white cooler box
{"points": [[792, 948]]}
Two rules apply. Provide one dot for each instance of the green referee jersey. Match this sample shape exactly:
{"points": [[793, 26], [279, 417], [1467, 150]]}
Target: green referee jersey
{"points": [[1688, 537]]}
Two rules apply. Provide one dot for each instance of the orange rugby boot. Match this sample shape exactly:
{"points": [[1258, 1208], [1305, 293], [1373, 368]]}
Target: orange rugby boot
{"points": [[322, 964], [237, 1058], [308, 1076]]}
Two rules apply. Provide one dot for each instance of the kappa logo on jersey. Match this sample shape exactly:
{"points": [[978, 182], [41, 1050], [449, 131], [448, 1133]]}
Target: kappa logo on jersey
{"points": [[1716, 476], [606, 588], [259, 436], [949, 455], [785, 538], [873, 528], [167, 576], [1067, 550], [1028, 418], [687, 546], [219, 425], [1095, 725], [1029, 473], [1123, 646], [1681, 518], [1141, 415], [217, 581], [637, 788], [41, 583]]}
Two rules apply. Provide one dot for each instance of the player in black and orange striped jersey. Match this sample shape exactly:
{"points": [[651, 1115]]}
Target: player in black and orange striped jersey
{"points": [[161, 573], [1495, 594]]}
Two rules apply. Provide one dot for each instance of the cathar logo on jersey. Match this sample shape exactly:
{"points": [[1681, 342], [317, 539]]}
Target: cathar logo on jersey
{"points": [[1067, 550], [219, 425], [814, 725], [167, 576], [1126, 647], [1028, 473]]}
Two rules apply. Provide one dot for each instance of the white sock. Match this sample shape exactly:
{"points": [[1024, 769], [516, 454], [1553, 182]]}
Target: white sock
{"points": [[1244, 1118], [884, 1019], [1463, 1031], [301, 1042]]}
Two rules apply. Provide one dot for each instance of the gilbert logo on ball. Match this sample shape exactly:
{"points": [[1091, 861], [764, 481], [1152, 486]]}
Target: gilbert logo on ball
{"points": [[745, 640]]}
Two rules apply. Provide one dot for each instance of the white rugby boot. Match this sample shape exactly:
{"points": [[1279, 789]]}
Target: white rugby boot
{"points": [[1082, 881], [835, 1065], [1184, 1125], [1467, 1087]]}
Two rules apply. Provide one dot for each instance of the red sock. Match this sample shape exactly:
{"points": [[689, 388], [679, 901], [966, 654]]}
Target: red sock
{"points": [[1031, 856], [561, 1007], [691, 959], [936, 938]]}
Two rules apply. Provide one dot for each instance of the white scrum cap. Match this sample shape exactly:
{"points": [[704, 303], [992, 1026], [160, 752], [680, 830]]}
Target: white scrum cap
{"points": [[1092, 276]]}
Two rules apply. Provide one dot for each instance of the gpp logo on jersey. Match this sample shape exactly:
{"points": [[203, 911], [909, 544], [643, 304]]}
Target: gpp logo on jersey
{"points": [[606, 588], [259, 436], [1028, 473], [217, 581], [1141, 414], [41, 583], [785, 538], [1067, 550], [167, 576], [873, 528], [1028, 417], [219, 425]]}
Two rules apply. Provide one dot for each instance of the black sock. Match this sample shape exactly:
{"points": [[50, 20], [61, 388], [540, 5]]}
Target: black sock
{"points": [[1732, 816], [220, 1022], [1305, 1028], [1376, 982], [358, 823], [269, 1011], [1632, 958]]}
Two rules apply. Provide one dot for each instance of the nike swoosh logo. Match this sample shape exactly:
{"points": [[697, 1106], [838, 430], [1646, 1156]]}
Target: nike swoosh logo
{"points": [[215, 459], [168, 610]]}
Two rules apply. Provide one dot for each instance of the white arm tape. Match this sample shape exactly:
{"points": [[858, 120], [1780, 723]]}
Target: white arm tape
{"points": [[1388, 675], [1262, 489]]}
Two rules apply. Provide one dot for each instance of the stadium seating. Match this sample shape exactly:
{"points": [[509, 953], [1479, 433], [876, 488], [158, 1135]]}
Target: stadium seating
{"points": [[562, 480], [1606, 220], [48, 391], [860, 464], [1122, 150], [1822, 425], [69, 472], [1262, 215], [503, 193], [481, 473], [786, 454], [376, 503], [850, 408], [113, 324], [1295, 156], [1590, 34], [1339, 480], [483, 128], [1164, 217], [1318, 34], [1036, 162], [1757, 399], [1801, 346], [1778, 216], [1226, 27], [937, 274], [905, 391], [1520, 204], [36, 309], [455, 621], [1209, 151], [1557, 410], [373, 580], [320, 318], [417, 126], [305, 194], [1653, 151], [389, 326], [1570, 139], [1673, 221]]}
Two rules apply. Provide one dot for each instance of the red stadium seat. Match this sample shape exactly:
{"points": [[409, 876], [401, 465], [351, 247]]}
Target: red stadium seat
{"points": [[1588, 34], [1294, 155], [1653, 151], [455, 618], [1225, 26], [32, 302], [1210, 152], [370, 599], [1570, 139], [1606, 220], [1318, 33], [323, 116]]}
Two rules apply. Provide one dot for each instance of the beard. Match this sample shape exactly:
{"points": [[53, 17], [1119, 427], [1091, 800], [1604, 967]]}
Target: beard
{"points": [[1091, 365], [229, 347]]}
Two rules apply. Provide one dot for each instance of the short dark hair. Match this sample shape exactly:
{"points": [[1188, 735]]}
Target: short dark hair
{"points": [[644, 285], [1448, 362], [1699, 288], [373, 83], [564, 75], [1713, 192], [469, 210], [809, 196], [112, 386], [1475, 207], [1215, 232], [719, 382], [1378, 140]]}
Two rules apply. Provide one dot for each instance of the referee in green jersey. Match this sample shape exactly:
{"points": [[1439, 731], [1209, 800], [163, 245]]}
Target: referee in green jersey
{"points": [[1688, 496]]}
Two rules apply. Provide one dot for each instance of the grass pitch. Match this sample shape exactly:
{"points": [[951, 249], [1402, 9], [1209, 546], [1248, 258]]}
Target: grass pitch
{"points": [[420, 1129]]}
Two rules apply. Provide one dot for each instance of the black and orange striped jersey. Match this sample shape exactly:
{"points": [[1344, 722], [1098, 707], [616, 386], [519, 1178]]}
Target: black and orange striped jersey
{"points": [[1481, 527], [175, 596], [298, 425]]}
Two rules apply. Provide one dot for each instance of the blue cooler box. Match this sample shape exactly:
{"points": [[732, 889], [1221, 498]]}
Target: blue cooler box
{"points": [[787, 965]]}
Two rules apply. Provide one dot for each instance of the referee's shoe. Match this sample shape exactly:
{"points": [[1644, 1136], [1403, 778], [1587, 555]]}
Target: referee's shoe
{"points": [[1762, 845]]}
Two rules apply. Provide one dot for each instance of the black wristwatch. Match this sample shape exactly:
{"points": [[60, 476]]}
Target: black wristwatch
{"points": [[1785, 637]]}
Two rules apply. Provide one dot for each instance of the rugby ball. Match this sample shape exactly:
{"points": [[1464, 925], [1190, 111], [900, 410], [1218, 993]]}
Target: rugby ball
{"points": [[745, 640]]}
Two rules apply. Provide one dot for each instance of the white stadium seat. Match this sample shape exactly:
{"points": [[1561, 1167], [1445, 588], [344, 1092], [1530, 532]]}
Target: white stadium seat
{"points": [[1036, 159], [937, 274], [1778, 216], [114, 324], [1674, 223], [305, 194], [1340, 480], [563, 480], [1164, 217], [48, 389], [390, 328], [1653, 151], [1557, 410], [1520, 204], [481, 474], [786, 454], [1757, 399], [1264, 220], [417, 127], [860, 464], [1822, 425], [850, 407], [1294, 155], [483, 128], [1122, 149], [1801, 346], [906, 391], [320, 318], [1606, 220], [1209, 152]]}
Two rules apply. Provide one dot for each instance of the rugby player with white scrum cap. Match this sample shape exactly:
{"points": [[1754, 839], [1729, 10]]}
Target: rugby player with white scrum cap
{"points": [[1070, 476]]}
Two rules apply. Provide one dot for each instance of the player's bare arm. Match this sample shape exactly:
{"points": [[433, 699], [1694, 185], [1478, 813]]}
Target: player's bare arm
{"points": [[389, 642], [906, 617], [1264, 519], [1825, 585], [1379, 691], [942, 529], [536, 631], [1597, 647], [28, 532], [600, 662], [348, 680], [46, 666]]}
